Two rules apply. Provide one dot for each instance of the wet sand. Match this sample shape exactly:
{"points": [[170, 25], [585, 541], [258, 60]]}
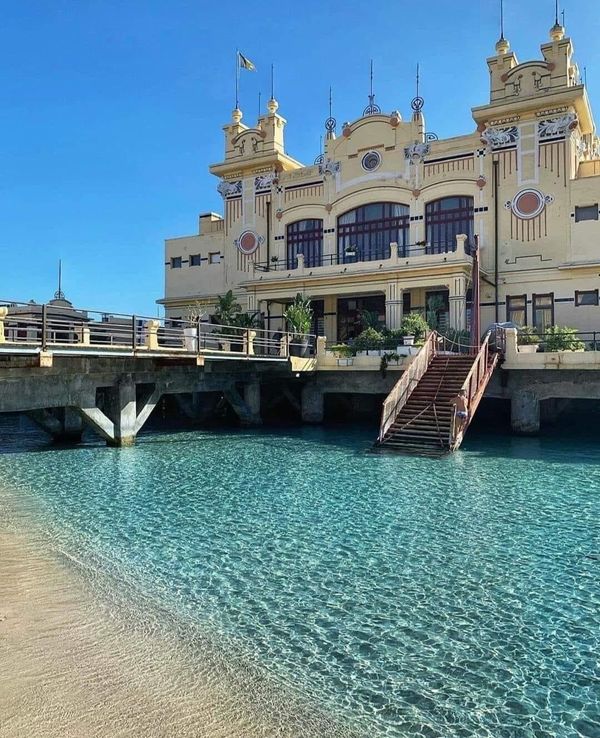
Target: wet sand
{"points": [[71, 668]]}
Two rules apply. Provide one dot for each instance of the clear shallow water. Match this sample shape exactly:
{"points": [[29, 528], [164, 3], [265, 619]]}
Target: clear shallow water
{"points": [[403, 596]]}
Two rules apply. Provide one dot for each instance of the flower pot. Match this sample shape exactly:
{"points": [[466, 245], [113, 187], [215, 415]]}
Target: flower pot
{"points": [[299, 347], [345, 362], [408, 340]]}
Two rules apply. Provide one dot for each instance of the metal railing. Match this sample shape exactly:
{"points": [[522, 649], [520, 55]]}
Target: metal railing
{"points": [[474, 387], [401, 391], [358, 256], [69, 330]]}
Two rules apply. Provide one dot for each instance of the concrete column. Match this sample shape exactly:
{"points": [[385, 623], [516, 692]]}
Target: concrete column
{"points": [[312, 404], [458, 302], [393, 305], [123, 411], [63, 424], [152, 327], [252, 400], [72, 426], [3, 314], [330, 321], [525, 413]]}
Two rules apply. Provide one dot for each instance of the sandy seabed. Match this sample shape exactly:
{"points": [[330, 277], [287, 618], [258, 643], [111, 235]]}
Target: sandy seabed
{"points": [[72, 668]]}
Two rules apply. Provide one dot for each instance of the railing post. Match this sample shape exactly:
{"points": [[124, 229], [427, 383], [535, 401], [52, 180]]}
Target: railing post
{"points": [[133, 332], [198, 336], [44, 326], [3, 314]]}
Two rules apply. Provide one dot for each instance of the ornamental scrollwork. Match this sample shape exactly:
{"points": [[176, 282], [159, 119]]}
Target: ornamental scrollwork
{"points": [[330, 167], [264, 181], [416, 152], [496, 137], [227, 189], [555, 127]]}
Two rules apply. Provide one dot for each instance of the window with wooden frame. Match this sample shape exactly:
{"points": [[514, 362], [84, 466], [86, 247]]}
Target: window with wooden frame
{"points": [[542, 311], [365, 233], [305, 237], [586, 297], [516, 309], [445, 219]]}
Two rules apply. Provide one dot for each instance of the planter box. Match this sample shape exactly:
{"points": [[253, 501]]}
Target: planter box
{"points": [[530, 348], [407, 350], [345, 362], [408, 340]]}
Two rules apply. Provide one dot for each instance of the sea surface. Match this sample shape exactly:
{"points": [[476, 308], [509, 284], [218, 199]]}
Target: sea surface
{"points": [[399, 596]]}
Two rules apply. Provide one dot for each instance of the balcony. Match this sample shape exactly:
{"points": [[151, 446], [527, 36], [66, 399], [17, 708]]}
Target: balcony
{"points": [[392, 257]]}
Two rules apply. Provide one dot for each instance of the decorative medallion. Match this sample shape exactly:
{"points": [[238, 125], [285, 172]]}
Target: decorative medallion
{"points": [[416, 193], [278, 213], [346, 130], [395, 118], [481, 181], [329, 207], [416, 152], [248, 242], [528, 203], [371, 161]]}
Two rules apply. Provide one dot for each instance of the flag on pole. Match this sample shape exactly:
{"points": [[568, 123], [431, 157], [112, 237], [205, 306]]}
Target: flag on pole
{"points": [[245, 63]]}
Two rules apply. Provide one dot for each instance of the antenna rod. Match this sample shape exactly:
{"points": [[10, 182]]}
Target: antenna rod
{"points": [[272, 83], [502, 20], [59, 275], [556, 12], [563, 17], [330, 101], [417, 79], [371, 77], [259, 94]]}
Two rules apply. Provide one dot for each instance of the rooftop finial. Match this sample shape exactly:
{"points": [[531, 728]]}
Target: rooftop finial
{"points": [[59, 294], [331, 122], [372, 108], [557, 32], [272, 82], [502, 45], [417, 102]]}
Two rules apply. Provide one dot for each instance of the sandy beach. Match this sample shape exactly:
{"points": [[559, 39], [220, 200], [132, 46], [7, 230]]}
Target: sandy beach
{"points": [[72, 669]]}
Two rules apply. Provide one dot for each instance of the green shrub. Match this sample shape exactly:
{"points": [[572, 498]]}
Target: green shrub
{"points": [[527, 336], [369, 339], [299, 315], [562, 338], [414, 324]]}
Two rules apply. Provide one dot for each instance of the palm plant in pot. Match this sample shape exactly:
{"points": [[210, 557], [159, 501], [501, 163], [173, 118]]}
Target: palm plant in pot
{"points": [[299, 315]]}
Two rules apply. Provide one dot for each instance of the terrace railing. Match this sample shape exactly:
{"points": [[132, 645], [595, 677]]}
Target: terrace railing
{"points": [[69, 330]]}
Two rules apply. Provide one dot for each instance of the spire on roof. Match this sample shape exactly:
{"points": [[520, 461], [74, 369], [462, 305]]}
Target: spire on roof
{"points": [[557, 32], [502, 45]]}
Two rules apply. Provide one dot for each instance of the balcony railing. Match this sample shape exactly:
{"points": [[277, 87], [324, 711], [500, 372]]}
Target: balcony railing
{"points": [[358, 256]]}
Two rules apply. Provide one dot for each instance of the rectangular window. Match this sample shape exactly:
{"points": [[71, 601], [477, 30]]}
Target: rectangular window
{"points": [[214, 258], [586, 212], [586, 297], [516, 309], [543, 311], [195, 260], [176, 262]]}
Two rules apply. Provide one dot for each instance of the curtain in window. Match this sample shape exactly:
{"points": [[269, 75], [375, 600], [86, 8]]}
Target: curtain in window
{"points": [[445, 219], [305, 237], [365, 233]]}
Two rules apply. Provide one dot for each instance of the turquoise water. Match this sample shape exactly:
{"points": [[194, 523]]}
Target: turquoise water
{"points": [[403, 596]]}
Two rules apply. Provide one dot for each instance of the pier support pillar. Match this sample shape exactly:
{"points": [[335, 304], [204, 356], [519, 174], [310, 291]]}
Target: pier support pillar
{"points": [[312, 404], [247, 408], [63, 424], [525, 413]]}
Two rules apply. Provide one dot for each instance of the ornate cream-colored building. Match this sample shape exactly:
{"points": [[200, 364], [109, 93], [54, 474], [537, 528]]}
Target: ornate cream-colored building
{"points": [[384, 220]]}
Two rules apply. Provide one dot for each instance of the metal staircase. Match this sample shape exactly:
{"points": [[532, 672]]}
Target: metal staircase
{"points": [[418, 417]]}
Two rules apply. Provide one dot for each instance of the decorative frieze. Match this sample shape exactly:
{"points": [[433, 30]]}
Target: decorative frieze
{"points": [[557, 127], [497, 137], [330, 167], [264, 181], [229, 189], [416, 152]]}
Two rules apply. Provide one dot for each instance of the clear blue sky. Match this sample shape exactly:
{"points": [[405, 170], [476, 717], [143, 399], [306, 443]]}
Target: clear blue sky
{"points": [[112, 110]]}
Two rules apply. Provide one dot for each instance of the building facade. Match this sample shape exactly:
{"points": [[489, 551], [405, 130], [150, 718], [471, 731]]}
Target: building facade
{"points": [[386, 219]]}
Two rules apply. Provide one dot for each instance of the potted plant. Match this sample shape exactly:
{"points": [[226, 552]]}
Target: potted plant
{"points": [[225, 315], [299, 316], [562, 338], [343, 354], [385, 360], [528, 340], [350, 250], [193, 315], [413, 328], [370, 340]]}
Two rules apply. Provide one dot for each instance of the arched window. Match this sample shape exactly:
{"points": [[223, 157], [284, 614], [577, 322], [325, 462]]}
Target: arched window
{"points": [[445, 219], [305, 237], [365, 233]]}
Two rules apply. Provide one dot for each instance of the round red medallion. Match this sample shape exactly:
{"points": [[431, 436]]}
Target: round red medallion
{"points": [[528, 204], [248, 242]]}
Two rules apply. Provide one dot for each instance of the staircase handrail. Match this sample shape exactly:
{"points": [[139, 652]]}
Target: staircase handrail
{"points": [[401, 391], [481, 370]]}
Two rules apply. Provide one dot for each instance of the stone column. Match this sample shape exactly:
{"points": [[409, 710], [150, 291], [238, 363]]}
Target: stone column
{"points": [[393, 305], [525, 413], [3, 314], [312, 404], [458, 302]]}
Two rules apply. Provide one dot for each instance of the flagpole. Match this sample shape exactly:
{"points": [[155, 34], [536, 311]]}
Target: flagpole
{"points": [[237, 78], [272, 84]]}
